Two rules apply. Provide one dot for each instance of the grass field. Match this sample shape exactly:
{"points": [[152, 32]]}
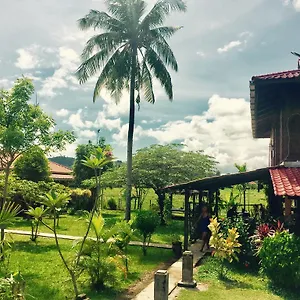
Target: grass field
{"points": [[76, 226], [47, 279], [238, 285]]}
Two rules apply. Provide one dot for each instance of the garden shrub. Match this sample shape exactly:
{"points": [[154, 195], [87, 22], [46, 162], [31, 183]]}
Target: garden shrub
{"points": [[246, 231], [280, 259], [112, 204], [80, 200], [12, 287], [146, 223]]}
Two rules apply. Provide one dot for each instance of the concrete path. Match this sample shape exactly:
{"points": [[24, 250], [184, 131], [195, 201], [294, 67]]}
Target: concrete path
{"points": [[75, 238], [174, 276]]}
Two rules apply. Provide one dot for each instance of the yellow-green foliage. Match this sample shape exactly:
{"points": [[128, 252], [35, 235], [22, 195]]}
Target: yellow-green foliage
{"points": [[225, 248]]}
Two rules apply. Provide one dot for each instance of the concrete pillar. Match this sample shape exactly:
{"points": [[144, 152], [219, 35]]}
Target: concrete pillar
{"points": [[187, 270], [161, 285]]}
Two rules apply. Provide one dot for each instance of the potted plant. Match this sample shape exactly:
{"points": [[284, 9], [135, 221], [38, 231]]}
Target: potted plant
{"points": [[177, 245]]}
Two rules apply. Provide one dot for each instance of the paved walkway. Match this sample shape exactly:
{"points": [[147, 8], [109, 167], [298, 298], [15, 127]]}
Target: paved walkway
{"points": [[75, 238], [175, 272]]}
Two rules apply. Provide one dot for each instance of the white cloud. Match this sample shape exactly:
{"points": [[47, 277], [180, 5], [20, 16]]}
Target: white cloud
{"points": [[229, 46], [63, 75], [87, 134], [76, 121], [5, 83], [121, 137], [223, 131], [34, 56], [295, 3], [242, 41], [200, 53], [62, 112]]}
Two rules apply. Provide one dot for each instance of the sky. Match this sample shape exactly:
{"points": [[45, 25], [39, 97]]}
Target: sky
{"points": [[222, 44]]}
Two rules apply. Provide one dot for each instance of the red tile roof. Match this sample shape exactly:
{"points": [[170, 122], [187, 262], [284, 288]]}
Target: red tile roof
{"points": [[286, 181], [280, 75], [56, 168]]}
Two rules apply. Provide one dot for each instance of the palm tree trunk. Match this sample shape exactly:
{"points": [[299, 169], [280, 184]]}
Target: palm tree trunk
{"points": [[130, 134]]}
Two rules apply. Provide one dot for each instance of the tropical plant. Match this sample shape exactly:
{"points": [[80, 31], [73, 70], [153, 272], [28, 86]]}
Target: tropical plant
{"points": [[8, 213], [225, 248], [95, 259], [266, 230], [242, 188], [37, 214], [122, 235], [146, 222], [132, 49], [82, 172], [12, 287], [54, 202]]}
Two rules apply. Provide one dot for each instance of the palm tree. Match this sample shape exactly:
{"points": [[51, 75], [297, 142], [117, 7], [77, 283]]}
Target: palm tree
{"points": [[128, 54]]}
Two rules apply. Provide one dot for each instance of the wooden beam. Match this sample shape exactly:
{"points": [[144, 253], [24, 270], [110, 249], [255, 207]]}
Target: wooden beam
{"points": [[186, 219]]}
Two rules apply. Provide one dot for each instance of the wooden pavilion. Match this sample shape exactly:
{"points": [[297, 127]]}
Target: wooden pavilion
{"points": [[275, 114]]}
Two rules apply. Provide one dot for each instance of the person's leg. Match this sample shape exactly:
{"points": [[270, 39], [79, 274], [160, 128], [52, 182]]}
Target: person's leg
{"points": [[204, 240]]}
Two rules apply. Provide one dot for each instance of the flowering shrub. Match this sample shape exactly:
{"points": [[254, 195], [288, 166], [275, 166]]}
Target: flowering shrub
{"points": [[225, 248]]}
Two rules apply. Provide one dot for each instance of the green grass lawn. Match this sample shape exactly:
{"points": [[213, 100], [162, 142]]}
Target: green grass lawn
{"points": [[47, 279], [237, 285], [76, 226]]}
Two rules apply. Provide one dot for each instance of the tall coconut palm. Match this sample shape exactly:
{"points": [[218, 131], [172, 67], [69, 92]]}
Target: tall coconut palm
{"points": [[129, 51]]}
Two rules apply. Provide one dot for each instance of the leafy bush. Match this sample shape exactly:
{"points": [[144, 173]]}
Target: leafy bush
{"points": [[81, 199], [146, 222], [280, 259], [33, 165], [112, 204]]}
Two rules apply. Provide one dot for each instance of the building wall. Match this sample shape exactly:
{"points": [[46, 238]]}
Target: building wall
{"points": [[285, 136]]}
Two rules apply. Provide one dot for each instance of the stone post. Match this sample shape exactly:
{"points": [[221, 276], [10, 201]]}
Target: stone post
{"points": [[187, 270], [161, 285]]}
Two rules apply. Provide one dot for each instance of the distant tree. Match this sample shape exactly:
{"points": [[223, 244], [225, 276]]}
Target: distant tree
{"points": [[63, 160], [83, 151], [33, 165], [130, 50], [158, 166], [24, 125]]}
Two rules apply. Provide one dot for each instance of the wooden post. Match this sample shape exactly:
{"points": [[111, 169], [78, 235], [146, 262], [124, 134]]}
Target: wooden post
{"points": [[186, 219], [171, 199], [287, 206], [244, 199], [217, 202]]}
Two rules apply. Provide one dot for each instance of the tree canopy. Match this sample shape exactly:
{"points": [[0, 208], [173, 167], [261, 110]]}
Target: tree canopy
{"points": [[158, 166], [83, 152], [24, 125], [33, 165]]}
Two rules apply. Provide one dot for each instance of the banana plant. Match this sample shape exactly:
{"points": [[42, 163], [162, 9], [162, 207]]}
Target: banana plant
{"points": [[37, 215]]}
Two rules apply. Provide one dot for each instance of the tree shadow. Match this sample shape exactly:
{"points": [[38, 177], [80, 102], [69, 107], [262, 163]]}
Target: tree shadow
{"points": [[234, 284], [284, 293], [32, 247]]}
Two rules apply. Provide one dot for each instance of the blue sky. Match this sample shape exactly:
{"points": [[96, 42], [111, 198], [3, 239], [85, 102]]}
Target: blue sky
{"points": [[222, 45]]}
